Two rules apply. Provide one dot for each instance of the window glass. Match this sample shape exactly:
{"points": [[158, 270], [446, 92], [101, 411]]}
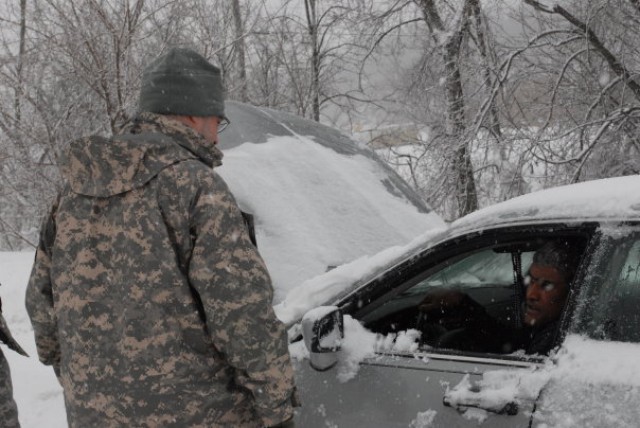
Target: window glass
{"points": [[612, 311], [629, 278]]}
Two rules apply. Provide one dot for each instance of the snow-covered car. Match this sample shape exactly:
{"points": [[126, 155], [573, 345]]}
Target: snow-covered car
{"points": [[318, 198], [393, 370]]}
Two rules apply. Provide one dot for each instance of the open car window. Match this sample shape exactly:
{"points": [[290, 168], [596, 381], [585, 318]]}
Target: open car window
{"points": [[469, 303]]}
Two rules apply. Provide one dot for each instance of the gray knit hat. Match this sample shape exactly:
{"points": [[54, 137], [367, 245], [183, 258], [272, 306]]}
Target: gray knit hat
{"points": [[182, 82], [561, 255]]}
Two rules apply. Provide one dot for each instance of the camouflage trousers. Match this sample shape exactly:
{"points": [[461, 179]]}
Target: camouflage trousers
{"points": [[8, 408]]}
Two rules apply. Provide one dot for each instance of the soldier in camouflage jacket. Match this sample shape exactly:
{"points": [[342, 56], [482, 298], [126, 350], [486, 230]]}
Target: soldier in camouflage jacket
{"points": [[147, 296], [8, 408]]}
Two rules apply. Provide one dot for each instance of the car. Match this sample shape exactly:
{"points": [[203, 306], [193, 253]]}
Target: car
{"points": [[365, 357]]}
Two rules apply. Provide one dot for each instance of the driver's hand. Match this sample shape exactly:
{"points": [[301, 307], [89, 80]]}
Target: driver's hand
{"points": [[441, 301]]}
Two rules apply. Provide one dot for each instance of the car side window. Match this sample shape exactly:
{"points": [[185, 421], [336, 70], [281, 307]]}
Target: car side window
{"points": [[614, 313], [475, 289]]}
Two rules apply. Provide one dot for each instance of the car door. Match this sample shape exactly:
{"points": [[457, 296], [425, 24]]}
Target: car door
{"points": [[414, 389], [596, 379]]}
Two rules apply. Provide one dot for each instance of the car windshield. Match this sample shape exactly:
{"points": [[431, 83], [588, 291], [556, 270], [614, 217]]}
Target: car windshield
{"points": [[478, 270]]}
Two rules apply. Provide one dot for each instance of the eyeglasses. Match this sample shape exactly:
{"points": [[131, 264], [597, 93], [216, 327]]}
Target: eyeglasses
{"points": [[222, 124], [543, 283]]}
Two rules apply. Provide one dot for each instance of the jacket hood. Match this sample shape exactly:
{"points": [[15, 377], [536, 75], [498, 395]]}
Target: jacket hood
{"points": [[101, 167]]}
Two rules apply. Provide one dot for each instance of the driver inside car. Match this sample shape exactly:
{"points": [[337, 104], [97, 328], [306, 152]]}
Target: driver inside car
{"points": [[547, 287]]}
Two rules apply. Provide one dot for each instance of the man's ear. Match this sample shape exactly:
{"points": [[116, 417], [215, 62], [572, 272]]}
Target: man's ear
{"points": [[191, 119]]}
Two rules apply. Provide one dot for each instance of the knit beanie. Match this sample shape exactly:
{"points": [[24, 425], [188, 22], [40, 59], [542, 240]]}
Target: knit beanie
{"points": [[560, 255], [182, 82]]}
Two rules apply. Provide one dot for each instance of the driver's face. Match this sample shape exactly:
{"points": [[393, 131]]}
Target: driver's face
{"points": [[546, 294]]}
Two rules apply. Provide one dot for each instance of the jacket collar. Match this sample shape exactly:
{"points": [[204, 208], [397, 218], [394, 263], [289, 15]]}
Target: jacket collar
{"points": [[185, 136]]}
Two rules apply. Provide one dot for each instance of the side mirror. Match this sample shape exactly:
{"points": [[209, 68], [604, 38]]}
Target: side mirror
{"points": [[323, 331]]}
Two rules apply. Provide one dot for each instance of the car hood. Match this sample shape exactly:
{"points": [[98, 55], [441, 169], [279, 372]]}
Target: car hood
{"points": [[330, 287]]}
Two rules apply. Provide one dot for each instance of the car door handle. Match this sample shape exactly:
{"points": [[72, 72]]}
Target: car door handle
{"points": [[510, 408]]}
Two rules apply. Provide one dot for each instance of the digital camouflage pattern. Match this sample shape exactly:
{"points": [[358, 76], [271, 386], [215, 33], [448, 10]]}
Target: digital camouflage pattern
{"points": [[8, 408], [6, 337], [147, 295]]}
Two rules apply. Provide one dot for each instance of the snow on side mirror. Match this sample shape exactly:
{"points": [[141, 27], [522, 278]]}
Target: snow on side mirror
{"points": [[323, 330]]}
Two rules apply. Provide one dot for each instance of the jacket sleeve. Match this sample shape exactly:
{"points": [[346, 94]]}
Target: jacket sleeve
{"points": [[39, 297], [7, 338], [236, 291]]}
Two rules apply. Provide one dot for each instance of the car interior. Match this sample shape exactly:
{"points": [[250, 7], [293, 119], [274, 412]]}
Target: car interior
{"points": [[488, 289]]}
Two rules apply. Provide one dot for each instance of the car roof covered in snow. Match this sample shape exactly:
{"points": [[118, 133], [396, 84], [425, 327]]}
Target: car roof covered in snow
{"points": [[608, 199]]}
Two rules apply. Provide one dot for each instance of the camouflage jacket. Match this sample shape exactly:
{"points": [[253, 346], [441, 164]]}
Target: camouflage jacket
{"points": [[8, 409], [148, 297]]}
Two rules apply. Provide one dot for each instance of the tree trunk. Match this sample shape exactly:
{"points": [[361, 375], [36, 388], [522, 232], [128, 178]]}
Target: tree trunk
{"points": [[494, 124], [240, 48], [312, 25], [315, 87], [18, 89], [465, 183], [465, 187]]}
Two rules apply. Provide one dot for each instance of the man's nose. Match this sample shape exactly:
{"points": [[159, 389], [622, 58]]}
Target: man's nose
{"points": [[533, 291]]}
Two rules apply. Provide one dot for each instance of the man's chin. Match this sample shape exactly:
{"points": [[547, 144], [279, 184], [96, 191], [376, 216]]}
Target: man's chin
{"points": [[531, 319]]}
